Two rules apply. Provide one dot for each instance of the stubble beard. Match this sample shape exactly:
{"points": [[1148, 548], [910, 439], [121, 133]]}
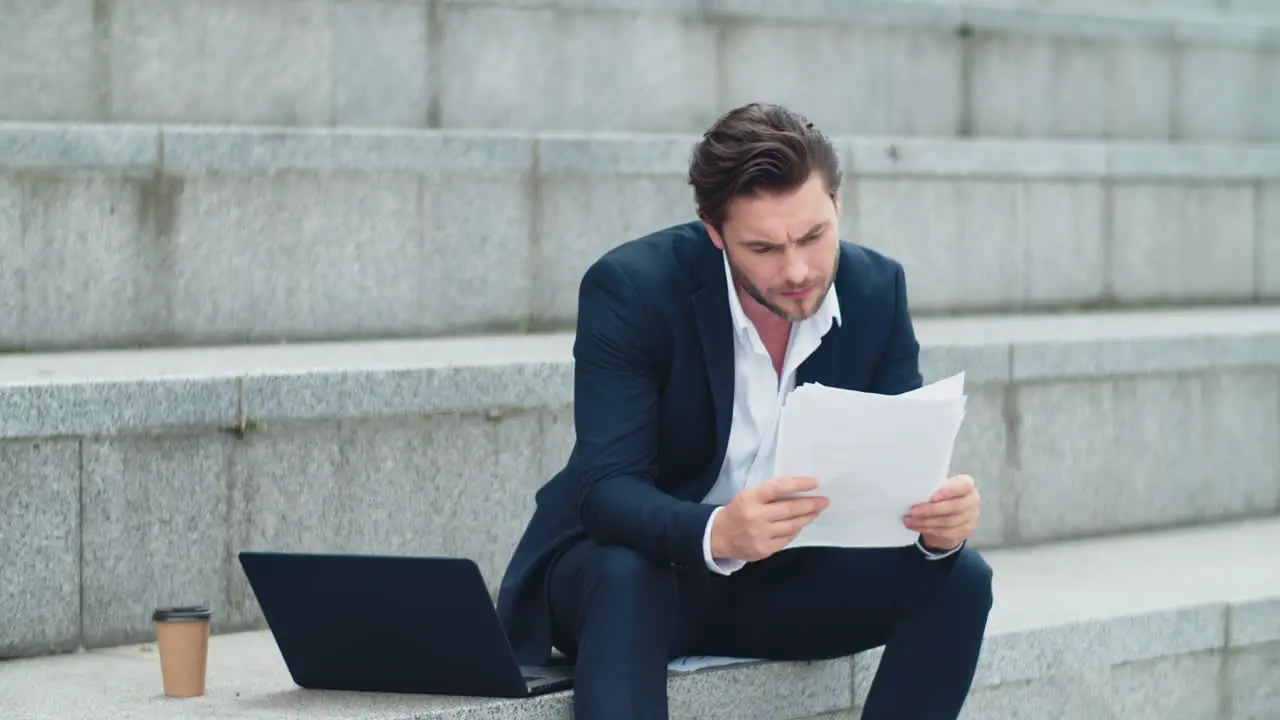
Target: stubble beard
{"points": [[752, 290]]}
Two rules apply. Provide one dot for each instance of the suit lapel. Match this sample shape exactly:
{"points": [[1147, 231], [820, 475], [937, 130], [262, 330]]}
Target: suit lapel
{"points": [[820, 367], [715, 329]]}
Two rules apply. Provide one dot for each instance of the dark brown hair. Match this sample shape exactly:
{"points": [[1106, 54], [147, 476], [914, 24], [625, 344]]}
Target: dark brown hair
{"points": [[753, 149]]}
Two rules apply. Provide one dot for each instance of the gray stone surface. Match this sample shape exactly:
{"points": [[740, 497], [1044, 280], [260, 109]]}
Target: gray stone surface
{"points": [[892, 12], [154, 531], [558, 436], [195, 149], [1268, 267], [1261, 7], [1205, 163], [1133, 576], [1253, 693], [87, 266], [1185, 687], [47, 61], [763, 691], [1121, 627], [479, 248], [1025, 84], [584, 216], [1219, 95], [39, 546], [905, 80], [1181, 243], [996, 158], [571, 155], [473, 375], [248, 679], [1087, 463], [12, 279], [69, 147], [454, 485], [274, 257], [382, 70], [1044, 240], [200, 150], [1064, 235], [394, 232], [1039, 657], [974, 223], [1137, 343], [981, 362], [1082, 25], [113, 391], [50, 409], [930, 69], [982, 451], [525, 67], [222, 61], [1254, 621]]}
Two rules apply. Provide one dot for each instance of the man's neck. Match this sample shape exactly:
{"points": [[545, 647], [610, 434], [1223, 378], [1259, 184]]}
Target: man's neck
{"points": [[774, 331]]}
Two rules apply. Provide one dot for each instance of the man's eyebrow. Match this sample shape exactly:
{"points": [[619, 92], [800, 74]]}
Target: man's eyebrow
{"points": [[815, 230]]}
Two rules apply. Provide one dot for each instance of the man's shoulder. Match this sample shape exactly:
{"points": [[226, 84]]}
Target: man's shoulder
{"points": [[867, 274], [661, 257]]}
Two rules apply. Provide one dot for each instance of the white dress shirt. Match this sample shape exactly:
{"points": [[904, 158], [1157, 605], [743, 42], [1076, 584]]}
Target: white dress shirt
{"points": [[758, 396]]}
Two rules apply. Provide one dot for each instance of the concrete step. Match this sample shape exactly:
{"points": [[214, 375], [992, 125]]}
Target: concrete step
{"points": [[872, 66], [142, 235], [1236, 10], [132, 478], [1178, 625]]}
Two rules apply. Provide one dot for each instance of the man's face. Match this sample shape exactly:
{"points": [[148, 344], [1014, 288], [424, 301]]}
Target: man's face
{"points": [[783, 248]]}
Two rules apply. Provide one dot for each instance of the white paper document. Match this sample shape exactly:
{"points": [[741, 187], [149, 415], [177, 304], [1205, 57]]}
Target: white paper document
{"points": [[694, 663], [874, 456]]}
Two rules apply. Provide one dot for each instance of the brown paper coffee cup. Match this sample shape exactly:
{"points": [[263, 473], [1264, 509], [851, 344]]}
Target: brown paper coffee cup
{"points": [[183, 636]]}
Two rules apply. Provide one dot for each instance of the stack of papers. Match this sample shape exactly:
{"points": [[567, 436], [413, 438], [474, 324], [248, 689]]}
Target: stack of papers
{"points": [[874, 456]]}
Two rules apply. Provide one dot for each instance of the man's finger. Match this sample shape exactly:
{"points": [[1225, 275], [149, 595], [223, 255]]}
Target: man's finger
{"points": [[955, 487], [939, 525], [788, 508], [941, 508], [789, 528], [780, 487]]}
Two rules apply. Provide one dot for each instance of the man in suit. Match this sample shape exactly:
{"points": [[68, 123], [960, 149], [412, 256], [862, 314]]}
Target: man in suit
{"points": [[664, 534]]}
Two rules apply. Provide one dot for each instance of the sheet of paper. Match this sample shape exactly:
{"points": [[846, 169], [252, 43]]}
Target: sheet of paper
{"points": [[873, 455], [693, 663]]}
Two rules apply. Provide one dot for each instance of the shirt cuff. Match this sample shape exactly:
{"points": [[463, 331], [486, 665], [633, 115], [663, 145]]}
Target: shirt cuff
{"points": [[931, 555], [720, 567]]}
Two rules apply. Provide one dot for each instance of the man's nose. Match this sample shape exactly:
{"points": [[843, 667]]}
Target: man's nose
{"points": [[796, 269]]}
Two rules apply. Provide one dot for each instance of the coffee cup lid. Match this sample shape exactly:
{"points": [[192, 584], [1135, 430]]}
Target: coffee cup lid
{"points": [[186, 613]]}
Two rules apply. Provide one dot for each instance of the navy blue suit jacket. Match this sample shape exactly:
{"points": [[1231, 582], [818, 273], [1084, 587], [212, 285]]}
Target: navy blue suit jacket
{"points": [[653, 395]]}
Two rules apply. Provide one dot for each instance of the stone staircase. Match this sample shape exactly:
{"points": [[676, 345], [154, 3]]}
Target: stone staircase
{"points": [[300, 275]]}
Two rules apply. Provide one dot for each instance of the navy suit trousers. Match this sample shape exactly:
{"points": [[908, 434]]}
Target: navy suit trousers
{"points": [[622, 617]]}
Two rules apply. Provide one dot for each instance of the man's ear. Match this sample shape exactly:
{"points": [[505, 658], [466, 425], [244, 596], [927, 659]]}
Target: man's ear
{"points": [[716, 239], [835, 200]]}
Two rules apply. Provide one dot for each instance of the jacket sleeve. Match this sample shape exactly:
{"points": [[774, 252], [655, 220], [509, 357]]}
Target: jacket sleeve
{"points": [[616, 415], [898, 369]]}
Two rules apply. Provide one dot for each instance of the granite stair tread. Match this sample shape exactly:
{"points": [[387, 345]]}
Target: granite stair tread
{"points": [[1061, 608]]}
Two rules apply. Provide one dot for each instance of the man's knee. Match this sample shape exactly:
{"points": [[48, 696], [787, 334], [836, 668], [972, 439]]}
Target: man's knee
{"points": [[623, 572], [970, 582], [619, 574]]}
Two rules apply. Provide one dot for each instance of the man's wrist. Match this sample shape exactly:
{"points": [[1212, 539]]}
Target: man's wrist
{"points": [[716, 564], [933, 553]]}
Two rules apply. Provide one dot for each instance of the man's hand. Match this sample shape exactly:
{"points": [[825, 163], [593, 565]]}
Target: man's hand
{"points": [[760, 521], [950, 516]]}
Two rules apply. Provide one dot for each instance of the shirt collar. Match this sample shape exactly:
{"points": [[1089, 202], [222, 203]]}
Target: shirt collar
{"points": [[827, 315]]}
